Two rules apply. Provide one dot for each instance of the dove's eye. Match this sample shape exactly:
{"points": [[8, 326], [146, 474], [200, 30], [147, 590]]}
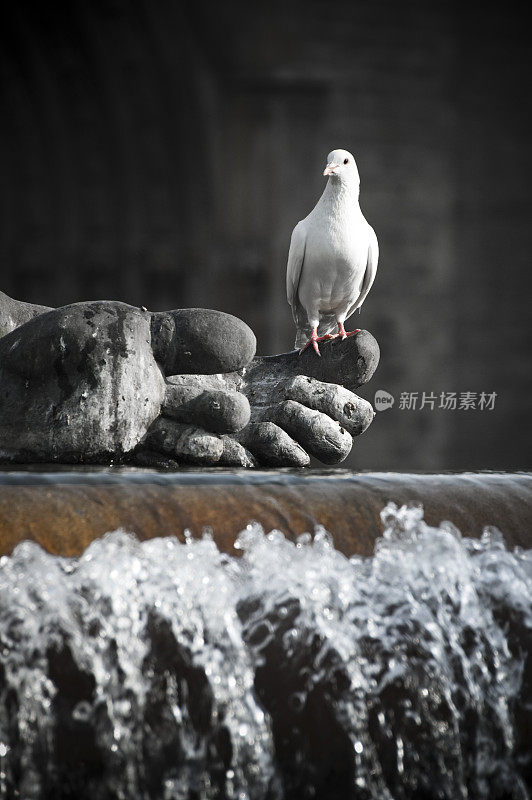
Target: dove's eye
{"points": [[346, 161]]}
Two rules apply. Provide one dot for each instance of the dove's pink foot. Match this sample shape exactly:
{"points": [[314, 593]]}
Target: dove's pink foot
{"points": [[314, 339], [343, 334]]}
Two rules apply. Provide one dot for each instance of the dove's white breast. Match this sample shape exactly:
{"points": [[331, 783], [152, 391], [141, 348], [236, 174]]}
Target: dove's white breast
{"points": [[336, 255]]}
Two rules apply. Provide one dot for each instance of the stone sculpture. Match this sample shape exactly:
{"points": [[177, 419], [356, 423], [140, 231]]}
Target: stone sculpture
{"points": [[103, 381]]}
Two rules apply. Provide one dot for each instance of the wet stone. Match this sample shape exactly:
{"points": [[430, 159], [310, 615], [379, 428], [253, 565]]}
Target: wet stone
{"points": [[154, 460], [186, 443], [236, 455]]}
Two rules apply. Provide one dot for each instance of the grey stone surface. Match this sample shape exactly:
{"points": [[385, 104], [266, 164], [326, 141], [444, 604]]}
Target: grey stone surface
{"points": [[84, 383], [217, 410], [350, 362], [270, 381], [324, 438], [272, 446], [235, 455], [201, 341], [352, 412], [186, 443], [14, 313], [92, 382], [79, 383], [154, 460]]}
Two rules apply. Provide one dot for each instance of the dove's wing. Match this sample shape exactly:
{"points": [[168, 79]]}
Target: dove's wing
{"points": [[296, 256], [371, 271]]}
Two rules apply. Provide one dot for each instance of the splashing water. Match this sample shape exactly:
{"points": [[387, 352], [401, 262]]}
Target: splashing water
{"points": [[168, 670]]}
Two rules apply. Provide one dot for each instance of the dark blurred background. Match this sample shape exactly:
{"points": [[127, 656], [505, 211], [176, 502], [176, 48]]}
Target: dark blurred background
{"points": [[161, 153]]}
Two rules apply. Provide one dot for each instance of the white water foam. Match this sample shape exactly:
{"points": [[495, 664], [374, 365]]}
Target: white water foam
{"points": [[168, 670]]}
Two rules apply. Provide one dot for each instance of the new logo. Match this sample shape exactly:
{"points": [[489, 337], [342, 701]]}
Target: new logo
{"points": [[383, 400]]}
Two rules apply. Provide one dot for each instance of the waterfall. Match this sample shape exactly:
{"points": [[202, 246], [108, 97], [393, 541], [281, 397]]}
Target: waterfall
{"points": [[172, 670]]}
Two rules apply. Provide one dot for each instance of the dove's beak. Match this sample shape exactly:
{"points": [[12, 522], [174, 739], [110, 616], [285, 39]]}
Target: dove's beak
{"points": [[330, 168]]}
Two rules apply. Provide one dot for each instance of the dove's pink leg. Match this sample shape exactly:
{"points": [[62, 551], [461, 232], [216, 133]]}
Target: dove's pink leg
{"points": [[314, 339], [343, 334]]}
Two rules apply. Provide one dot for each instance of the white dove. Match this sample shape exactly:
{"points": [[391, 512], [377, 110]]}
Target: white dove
{"points": [[333, 257]]}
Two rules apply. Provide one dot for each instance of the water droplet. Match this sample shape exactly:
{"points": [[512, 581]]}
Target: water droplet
{"points": [[82, 711], [400, 755], [297, 701]]}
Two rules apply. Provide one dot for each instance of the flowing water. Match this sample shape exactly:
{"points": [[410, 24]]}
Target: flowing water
{"points": [[169, 670]]}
